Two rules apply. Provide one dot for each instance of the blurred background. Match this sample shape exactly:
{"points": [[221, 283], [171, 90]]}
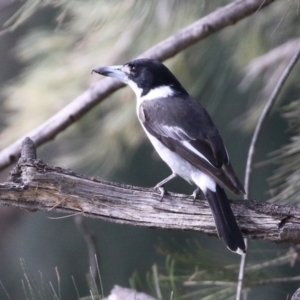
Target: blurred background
{"points": [[47, 52]]}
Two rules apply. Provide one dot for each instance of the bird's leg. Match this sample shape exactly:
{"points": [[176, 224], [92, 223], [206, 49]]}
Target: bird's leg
{"points": [[160, 185], [196, 193]]}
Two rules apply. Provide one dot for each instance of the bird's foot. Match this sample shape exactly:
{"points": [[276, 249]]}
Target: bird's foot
{"points": [[161, 190], [196, 193]]}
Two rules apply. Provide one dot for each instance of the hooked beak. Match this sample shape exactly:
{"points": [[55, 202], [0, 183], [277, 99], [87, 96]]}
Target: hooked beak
{"points": [[112, 71]]}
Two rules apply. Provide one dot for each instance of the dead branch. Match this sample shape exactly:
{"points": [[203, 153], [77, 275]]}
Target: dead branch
{"points": [[206, 26], [35, 185]]}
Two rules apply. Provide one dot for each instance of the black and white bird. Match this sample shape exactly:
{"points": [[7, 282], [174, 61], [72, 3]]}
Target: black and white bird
{"points": [[185, 137]]}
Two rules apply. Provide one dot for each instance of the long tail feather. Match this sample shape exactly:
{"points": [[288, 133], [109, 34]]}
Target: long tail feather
{"points": [[225, 221]]}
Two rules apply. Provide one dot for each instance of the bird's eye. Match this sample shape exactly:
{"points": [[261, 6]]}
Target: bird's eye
{"points": [[134, 70]]}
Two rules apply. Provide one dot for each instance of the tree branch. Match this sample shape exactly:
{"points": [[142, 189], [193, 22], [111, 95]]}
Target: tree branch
{"points": [[265, 113], [257, 131], [213, 22], [35, 185]]}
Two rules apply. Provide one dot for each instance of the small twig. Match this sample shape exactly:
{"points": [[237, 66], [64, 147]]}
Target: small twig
{"points": [[92, 281], [65, 217], [5, 291], [241, 272], [99, 276], [43, 293], [288, 258], [58, 283], [210, 282], [92, 295], [75, 286], [156, 282], [53, 290], [276, 280], [91, 243], [255, 137], [260, 6], [284, 15], [59, 203]]}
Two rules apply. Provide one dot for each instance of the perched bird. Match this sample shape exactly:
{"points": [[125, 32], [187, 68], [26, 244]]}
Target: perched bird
{"points": [[185, 137]]}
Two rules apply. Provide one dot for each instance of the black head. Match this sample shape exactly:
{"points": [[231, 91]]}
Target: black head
{"points": [[143, 75]]}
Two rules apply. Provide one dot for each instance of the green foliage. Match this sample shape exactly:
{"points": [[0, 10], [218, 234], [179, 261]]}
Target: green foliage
{"points": [[87, 34], [41, 289], [286, 180], [58, 58], [192, 273], [34, 289]]}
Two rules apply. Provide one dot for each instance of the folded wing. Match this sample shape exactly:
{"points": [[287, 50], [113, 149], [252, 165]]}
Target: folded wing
{"points": [[195, 138]]}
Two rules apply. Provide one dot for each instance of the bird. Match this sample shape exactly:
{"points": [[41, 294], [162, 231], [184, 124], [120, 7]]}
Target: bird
{"points": [[185, 137]]}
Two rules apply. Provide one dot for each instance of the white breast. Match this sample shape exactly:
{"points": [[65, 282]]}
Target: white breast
{"points": [[177, 164]]}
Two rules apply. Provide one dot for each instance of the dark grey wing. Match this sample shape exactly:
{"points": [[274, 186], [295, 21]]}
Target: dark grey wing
{"points": [[189, 131]]}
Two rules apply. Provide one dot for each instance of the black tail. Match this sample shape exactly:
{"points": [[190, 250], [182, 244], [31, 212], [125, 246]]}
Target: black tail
{"points": [[225, 221]]}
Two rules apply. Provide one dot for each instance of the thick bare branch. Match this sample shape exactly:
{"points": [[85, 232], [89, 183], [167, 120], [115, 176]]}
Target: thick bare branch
{"points": [[213, 22], [38, 186]]}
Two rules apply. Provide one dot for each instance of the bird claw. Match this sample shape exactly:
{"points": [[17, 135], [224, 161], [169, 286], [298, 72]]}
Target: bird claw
{"points": [[161, 191], [196, 193]]}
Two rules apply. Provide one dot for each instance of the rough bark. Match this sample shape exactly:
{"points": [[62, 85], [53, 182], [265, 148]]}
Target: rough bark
{"points": [[35, 185]]}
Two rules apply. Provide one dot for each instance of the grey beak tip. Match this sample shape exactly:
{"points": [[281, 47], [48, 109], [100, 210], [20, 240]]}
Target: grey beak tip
{"points": [[111, 71], [94, 71]]}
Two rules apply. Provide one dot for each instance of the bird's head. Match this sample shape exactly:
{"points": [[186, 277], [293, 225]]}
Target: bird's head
{"points": [[144, 76]]}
